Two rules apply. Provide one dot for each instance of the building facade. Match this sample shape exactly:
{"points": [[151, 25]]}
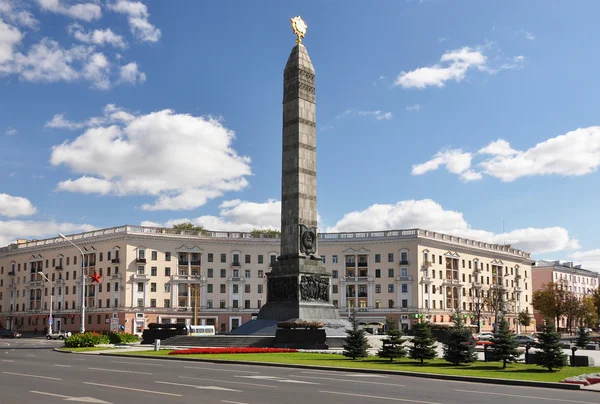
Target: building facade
{"points": [[579, 281], [158, 275]]}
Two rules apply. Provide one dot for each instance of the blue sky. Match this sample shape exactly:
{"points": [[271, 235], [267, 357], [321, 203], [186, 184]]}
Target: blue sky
{"points": [[465, 117]]}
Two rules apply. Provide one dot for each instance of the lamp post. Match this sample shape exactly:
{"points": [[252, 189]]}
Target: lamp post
{"points": [[82, 328], [50, 319]]}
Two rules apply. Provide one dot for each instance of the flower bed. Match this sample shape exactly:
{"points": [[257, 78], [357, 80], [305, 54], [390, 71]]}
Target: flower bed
{"points": [[299, 324], [584, 380], [193, 351]]}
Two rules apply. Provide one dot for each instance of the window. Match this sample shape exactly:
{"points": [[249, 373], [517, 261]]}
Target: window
{"points": [[236, 259], [261, 274], [167, 256], [378, 273], [334, 288], [440, 260], [221, 304], [469, 264], [154, 256], [334, 259], [153, 271], [246, 304], [223, 257], [404, 258], [140, 287], [167, 271], [223, 273], [377, 288], [260, 258], [222, 288], [167, 303], [403, 272], [209, 304], [334, 273], [235, 304], [405, 288], [209, 288], [272, 258], [209, 273], [259, 303], [259, 288], [247, 288], [390, 257], [247, 273], [404, 303], [141, 254], [236, 289], [247, 259], [323, 258], [391, 288], [140, 302], [140, 270], [210, 257], [152, 302], [390, 272], [377, 257], [153, 287], [391, 304]]}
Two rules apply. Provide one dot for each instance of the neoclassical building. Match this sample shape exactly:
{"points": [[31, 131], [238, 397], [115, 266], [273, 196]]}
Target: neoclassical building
{"points": [[140, 275]]}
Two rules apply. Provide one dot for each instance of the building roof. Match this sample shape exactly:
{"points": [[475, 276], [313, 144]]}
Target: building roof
{"points": [[567, 267]]}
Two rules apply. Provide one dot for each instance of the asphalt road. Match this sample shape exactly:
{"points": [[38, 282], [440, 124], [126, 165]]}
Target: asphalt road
{"points": [[30, 372]]}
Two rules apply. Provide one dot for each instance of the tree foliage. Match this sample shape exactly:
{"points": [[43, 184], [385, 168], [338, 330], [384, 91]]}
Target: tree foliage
{"points": [[589, 310], [524, 318], [356, 344], [550, 301], [505, 347], [461, 346], [423, 346], [583, 338], [190, 227], [392, 347], [265, 233], [550, 354]]}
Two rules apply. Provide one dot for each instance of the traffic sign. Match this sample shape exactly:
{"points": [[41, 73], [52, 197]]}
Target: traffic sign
{"points": [[50, 322]]}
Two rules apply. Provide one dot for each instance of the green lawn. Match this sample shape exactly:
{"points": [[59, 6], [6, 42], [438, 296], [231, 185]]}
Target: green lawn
{"points": [[437, 366], [95, 348]]}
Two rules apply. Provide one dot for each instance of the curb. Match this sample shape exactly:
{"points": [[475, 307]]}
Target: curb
{"points": [[523, 383]]}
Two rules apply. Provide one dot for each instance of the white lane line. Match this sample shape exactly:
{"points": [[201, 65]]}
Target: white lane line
{"points": [[348, 374], [227, 381], [7, 360], [79, 359], [63, 366], [133, 363], [69, 398], [521, 396], [200, 387], [378, 397], [221, 370], [33, 356], [36, 376], [133, 389], [353, 381], [277, 379], [232, 402], [119, 371]]}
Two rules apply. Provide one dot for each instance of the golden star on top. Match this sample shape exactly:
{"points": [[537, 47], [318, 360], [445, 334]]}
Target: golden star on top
{"points": [[299, 28]]}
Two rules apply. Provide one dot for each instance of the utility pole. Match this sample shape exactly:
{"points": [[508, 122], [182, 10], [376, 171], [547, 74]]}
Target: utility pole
{"points": [[50, 319], [82, 328]]}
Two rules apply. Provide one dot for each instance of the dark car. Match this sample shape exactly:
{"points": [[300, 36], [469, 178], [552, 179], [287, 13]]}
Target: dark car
{"points": [[9, 334]]}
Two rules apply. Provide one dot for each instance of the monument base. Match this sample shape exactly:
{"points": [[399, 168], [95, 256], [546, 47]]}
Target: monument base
{"points": [[300, 339]]}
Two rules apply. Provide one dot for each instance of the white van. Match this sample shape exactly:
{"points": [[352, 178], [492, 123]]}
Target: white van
{"points": [[201, 330]]}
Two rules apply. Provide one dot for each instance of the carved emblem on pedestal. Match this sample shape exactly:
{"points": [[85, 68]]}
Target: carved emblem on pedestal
{"points": [[314, 288], [308, 240]]}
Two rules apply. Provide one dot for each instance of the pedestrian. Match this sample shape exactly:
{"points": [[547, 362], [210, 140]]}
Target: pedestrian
{"points": [[35, 331]]}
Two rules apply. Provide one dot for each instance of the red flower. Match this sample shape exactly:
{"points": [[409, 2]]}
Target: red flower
{"points": [[230, 350]]}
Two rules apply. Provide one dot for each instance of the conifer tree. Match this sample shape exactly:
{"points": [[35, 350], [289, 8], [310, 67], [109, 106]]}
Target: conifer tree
{"points": [[583, 338], [356, 344], [423, 343], [505, 347], [461, 346], [550, 354], [392, 346]]}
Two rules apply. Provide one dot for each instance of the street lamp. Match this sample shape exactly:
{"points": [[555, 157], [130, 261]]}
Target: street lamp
{"points": [[82, 328], [50, 319]]}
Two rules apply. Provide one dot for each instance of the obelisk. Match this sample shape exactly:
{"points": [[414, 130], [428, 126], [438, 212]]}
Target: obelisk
{"points": [[298, 286]]}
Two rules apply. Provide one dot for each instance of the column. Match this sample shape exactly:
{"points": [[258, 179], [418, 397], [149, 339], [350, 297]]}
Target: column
{"points": [[189, 261], [203, 295], [444, 294], [342, 290], [133, 289], [371, 295], [189, 293], [174, 294]]}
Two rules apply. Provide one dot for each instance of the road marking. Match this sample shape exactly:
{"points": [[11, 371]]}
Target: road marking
{"points": [[142, 364], [30, 355], [277, 379], [354, 381], [378, 397], [119, 371], [319, 372], [79, 359], [69, 398], [520, 396], [227, 381], [26, 375], [221, 370], [232, 402], [200, 387], [63, 366], [6, 360], [133, 389]]}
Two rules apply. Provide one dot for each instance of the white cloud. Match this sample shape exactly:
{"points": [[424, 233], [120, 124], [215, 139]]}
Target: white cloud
{"points": [[13, 206], [379, 115], [517, 62], [15, 13], [137, 14], [430, 215], [589, 259], [85, 11], [575, 153], [11, 230], [457, 63], [98, 37], [10, 131], [181, 160], [455, 160], [130, 74], [526, 34], [97, 70], [9, 38], [112, 114], [414, 107]]}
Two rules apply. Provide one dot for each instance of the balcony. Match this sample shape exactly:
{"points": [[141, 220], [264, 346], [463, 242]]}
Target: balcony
{"points": [[518, 289], [351, 264], [58, 267], [60, 281], [517, 276], [407, 278], [141, 277], [182, 262], [140, 260], [187, 278], [115, 260], [451, 282], [195, 263], [426, 280], [116, 276], [477, 285], [362, 294], [427, 264], [236, 264], [236, 279], [363, 264], [403, 262], [12, 273], [358, 279], [36, 283]]}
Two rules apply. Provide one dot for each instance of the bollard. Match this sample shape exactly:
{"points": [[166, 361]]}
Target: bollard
{"points": [[485, 354], [527, 348], [157, 345], [573, 349]]}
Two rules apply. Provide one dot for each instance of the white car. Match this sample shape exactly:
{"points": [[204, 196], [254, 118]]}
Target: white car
{"points": [[484, 336], [57, 335]]}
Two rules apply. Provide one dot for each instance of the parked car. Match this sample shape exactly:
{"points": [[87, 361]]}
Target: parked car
{"points": [[10, 334], [484, 336], [524, 339], [57, 335]]}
